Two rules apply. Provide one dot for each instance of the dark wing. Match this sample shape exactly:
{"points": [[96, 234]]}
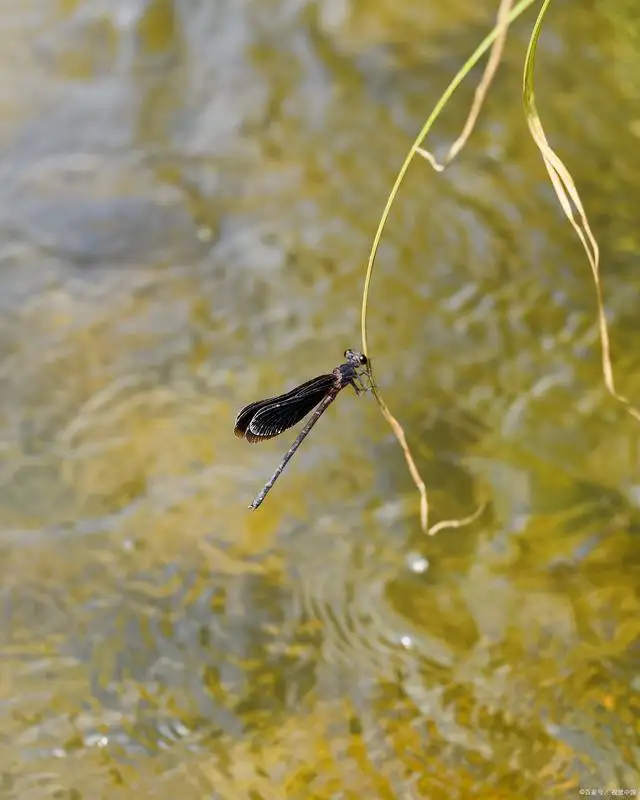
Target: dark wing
{"points": [[279, 417], [246, 414]]}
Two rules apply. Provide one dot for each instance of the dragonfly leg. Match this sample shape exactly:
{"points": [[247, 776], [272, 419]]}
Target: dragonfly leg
{"points": [[359, 386]]}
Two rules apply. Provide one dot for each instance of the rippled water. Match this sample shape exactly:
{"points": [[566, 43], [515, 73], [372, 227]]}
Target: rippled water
{"points": [[189, 192]]}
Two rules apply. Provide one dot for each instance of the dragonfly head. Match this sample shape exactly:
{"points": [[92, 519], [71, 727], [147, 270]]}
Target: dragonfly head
{"points": [[355, 358]]}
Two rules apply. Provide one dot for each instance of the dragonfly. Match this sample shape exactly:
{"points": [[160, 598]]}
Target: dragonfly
{"points": [[264, 419]]}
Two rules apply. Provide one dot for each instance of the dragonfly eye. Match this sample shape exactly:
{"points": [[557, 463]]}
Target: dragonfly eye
{"points": [[355, 358]]}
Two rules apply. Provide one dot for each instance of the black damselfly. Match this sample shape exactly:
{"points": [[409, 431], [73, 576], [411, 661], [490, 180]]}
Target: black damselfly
{"points": [[265, 419]]}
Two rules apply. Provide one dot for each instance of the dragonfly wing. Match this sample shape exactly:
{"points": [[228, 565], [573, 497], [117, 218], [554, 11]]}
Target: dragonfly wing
{"points": [[246, 414], [279, 417]]}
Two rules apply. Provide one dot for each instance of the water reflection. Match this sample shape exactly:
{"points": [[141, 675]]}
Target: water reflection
{"points": [[189, 192]]}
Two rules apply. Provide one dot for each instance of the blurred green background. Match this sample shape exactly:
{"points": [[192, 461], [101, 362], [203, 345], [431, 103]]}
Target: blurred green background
{"points": [[188, 194]]}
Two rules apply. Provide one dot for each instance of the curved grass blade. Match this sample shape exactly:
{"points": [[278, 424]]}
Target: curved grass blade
{"points": [[415, 147], [570, 202]]}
